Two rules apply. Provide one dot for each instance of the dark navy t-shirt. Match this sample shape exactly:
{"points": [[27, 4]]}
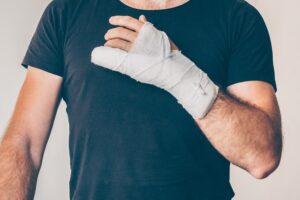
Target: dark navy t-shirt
{"points": [[133, 141]]}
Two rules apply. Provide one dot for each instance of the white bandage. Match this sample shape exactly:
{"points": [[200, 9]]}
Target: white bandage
{"points": [[151, 61]]}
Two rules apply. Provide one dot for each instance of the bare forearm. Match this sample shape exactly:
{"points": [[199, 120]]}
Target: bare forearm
{"points": [[244, 134], [17, 173]]}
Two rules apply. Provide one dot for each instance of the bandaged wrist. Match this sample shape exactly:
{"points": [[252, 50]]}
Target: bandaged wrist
{"points": [[195, 91], [152, 61]]}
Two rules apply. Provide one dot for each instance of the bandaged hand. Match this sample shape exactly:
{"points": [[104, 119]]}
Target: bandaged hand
{"points": [[151, 60]]}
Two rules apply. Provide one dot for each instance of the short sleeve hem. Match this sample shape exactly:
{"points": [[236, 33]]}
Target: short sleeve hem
{"points": [[43, 66], [251, 57], [255, 77], [45, 50]]}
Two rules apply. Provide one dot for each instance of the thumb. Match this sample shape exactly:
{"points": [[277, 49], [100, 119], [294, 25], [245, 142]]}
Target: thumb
{"points": [[143, 18], [108, 57]]}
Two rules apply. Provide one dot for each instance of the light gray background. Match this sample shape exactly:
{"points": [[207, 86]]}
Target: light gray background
{"points": [[18, 20]]}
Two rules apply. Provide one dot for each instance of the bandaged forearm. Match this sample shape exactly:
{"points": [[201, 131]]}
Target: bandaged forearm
{"points": [[151, 61]]}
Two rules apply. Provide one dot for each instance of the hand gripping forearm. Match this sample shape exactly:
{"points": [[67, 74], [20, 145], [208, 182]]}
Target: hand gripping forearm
{"points": [[151, 61]]}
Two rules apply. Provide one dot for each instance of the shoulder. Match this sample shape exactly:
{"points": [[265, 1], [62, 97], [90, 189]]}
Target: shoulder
{"points": [[61, 9], [243, 17], [242, 8], [62, 5], [232, 10], [234, 7]]}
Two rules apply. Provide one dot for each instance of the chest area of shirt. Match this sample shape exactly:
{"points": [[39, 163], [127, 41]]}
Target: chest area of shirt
{"points": [[200, 41]]}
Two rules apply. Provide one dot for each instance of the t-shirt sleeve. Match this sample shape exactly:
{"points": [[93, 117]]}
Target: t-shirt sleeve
{"points": [[45, 50], [251, 56]]}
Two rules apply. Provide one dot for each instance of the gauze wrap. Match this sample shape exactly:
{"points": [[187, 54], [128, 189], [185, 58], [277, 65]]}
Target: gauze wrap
{"points": [[151, 60]]}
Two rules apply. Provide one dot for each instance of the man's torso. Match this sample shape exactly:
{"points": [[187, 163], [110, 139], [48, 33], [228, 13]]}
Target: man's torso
{"points": [[130, 140]]}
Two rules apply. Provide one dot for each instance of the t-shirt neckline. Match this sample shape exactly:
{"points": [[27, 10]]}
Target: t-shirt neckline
{"points": [[182, 6]]}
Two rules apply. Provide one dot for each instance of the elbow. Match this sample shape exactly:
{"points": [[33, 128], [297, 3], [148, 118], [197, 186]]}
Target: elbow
{"points": [[265, 168], [268, 160]]}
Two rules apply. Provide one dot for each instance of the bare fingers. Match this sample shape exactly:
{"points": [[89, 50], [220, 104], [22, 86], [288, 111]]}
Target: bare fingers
{"points": [[119, 43], [126, 21], [125, 34], [121, 33], [127, 31]]}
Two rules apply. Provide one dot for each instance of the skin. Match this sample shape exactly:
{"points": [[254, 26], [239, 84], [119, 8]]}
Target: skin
{"points": [[23, 144], [244, 123]]}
